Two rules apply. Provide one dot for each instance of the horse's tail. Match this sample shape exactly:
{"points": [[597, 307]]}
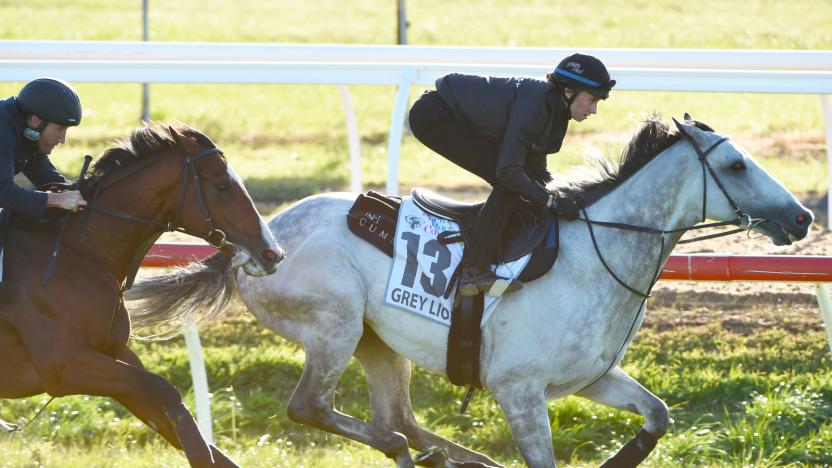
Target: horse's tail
{"points": [[192, 295]]}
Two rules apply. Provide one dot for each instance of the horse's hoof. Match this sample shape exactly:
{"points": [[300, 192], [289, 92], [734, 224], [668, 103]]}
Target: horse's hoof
{"points": [[433, 457], [9, 427], [221, 459]]}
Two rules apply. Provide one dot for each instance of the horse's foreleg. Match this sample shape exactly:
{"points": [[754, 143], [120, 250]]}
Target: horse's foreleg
{"points": [[388, 381], [619, 390], [524, 406], [154, 415], [311, 402]]}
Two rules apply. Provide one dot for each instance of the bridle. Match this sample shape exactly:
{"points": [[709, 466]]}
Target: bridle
{"points": [[215, 237], [744, 221]]}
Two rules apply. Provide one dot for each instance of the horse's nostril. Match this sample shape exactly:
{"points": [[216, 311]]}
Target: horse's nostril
{"points": [[800, 219], [270, 255]]}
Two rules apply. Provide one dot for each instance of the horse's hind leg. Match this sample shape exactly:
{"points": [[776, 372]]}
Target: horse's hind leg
{"points": [[311, 403], [388, 382], [619, 390]]}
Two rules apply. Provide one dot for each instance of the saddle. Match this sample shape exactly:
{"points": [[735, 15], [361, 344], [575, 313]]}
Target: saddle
{"points": [[526, 228], [531, 229]]}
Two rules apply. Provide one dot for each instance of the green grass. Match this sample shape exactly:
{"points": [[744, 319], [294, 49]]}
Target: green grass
{"points": [[798, 24], [736, 400]]}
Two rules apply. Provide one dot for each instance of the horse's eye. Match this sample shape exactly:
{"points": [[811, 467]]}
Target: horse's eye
{"points": [[222, 187], [737, 166]]}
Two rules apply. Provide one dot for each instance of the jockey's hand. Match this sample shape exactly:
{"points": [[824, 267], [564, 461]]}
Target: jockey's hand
{"points": [[564, 207], [72, 200], [60, 186]]}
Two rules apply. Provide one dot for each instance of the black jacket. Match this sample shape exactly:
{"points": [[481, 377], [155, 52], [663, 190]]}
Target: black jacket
{"points": [[527, 116], [18, 154]]}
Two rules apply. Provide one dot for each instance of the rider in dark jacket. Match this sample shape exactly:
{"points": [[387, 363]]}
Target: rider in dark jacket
{"points": [[501, 129], [31, 125]]}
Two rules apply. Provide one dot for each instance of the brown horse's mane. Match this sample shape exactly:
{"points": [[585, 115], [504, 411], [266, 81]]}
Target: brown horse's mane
{"points": [[653, 137], [143, 143]]}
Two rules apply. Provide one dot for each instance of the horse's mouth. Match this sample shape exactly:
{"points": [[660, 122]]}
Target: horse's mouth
{"points": [[251, 265], [778, 234]]}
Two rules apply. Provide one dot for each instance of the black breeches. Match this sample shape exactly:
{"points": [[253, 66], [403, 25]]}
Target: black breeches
{"points": [[435, 125]]}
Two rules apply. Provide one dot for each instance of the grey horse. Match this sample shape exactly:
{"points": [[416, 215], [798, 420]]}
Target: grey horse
{"points": [[563, 334]]}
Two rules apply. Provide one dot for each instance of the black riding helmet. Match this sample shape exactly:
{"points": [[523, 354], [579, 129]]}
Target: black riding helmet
{"points": [[583, 73], [52, 100]]}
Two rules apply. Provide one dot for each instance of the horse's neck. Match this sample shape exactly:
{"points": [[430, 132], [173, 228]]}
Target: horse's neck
{"points": [[112, 241], [665, 194]]}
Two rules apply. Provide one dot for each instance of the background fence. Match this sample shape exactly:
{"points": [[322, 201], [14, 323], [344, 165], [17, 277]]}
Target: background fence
{"points": [[683, 70]]}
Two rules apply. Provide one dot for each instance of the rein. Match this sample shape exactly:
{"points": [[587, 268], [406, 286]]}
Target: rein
{"points": [[56, 249]]}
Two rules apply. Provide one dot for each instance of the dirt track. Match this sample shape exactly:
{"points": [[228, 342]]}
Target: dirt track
{"points": [[743, 306]]}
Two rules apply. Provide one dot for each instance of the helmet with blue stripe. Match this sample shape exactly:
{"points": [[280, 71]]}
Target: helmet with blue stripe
{"points": [[583, 73]]}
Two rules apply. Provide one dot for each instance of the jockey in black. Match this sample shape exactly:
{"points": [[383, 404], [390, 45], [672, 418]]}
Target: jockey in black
{"points": [[31, 125], [501, 129]]}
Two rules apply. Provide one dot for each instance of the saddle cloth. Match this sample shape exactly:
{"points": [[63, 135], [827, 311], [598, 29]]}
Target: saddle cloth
{"points": [[423, 266]]}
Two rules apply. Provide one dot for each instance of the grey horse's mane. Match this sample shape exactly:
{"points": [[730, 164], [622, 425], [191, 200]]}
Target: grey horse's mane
{"points": [[604, 174], [143, 142]]}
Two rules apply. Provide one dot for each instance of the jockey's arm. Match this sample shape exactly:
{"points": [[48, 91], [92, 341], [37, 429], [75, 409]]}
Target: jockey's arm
{"points": [[13, 197], [511, 171], [42, 173]]}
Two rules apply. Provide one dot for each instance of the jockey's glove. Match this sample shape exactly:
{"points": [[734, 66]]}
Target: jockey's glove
{"points": [[564, 207], [60, 186]]}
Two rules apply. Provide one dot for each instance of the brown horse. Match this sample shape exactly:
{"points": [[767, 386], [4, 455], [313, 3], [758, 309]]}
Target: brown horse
{"points": [[66, 333]]}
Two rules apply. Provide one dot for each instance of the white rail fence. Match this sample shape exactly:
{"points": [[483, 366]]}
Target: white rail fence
{"points": [[684, 70]]}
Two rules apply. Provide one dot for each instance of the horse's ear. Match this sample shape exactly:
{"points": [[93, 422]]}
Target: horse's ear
{"points": [[177, 138], [682, 127], [699, 137], [687, 117], [174, 135]]}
